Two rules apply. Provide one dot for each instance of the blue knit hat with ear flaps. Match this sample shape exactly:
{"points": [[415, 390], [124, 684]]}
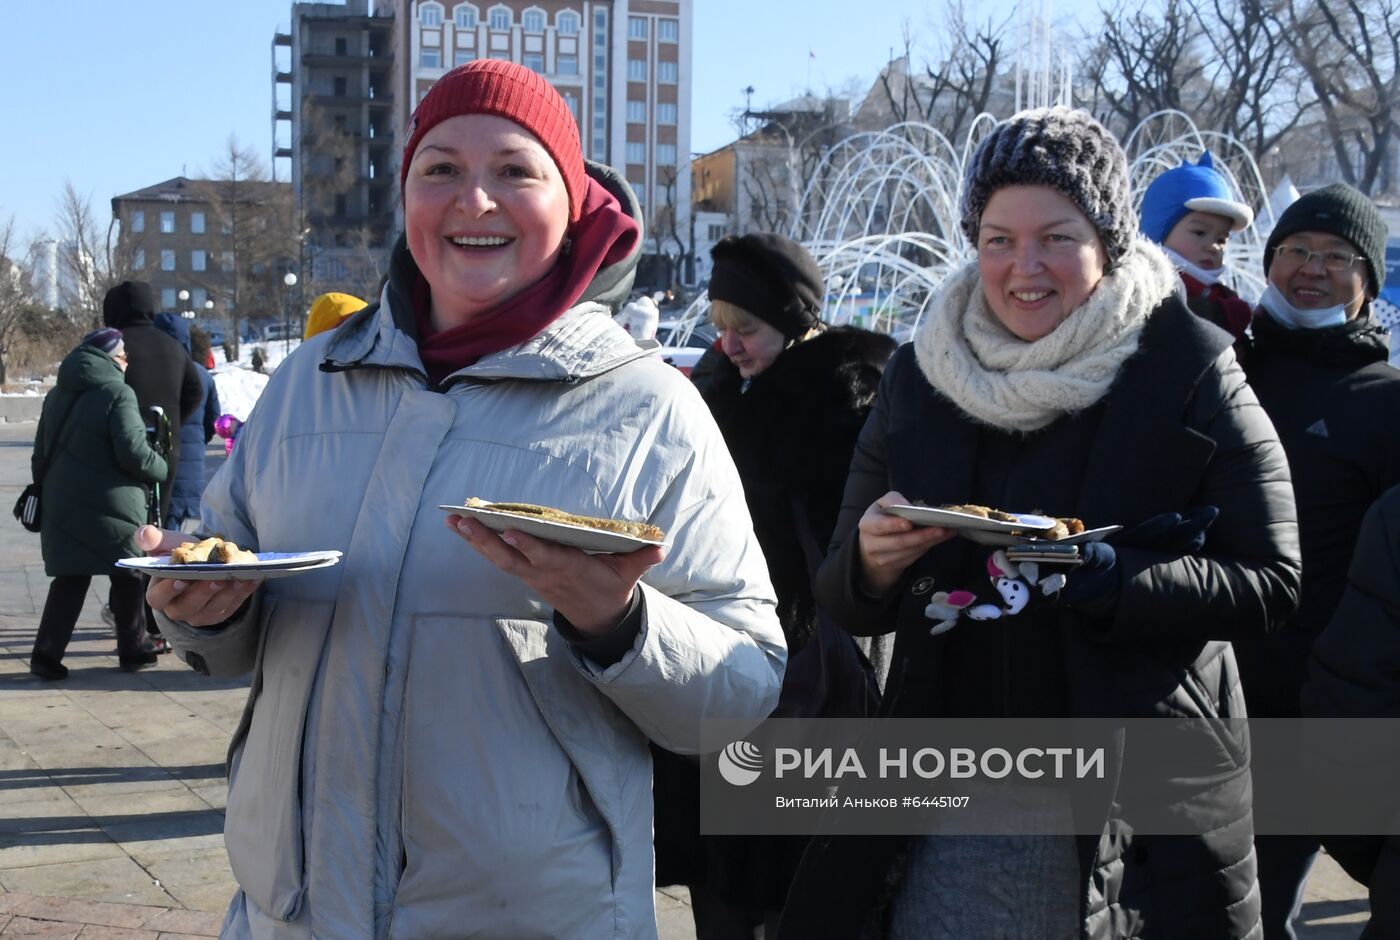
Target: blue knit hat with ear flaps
{"points": [[1191, 187]]}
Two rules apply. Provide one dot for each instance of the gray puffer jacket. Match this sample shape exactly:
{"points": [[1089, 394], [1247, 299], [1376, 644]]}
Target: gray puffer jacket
{"points": [[424, 755]]}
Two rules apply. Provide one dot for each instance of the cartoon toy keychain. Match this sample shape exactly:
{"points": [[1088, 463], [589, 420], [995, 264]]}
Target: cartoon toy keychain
{"points": [[1012, 582]]}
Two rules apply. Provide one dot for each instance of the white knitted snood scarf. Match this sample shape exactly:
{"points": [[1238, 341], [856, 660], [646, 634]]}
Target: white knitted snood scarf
{"points": [[1008, 383]]}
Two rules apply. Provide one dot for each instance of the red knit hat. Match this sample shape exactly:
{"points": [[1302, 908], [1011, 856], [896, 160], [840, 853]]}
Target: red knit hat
{"points": [[495, 86]]}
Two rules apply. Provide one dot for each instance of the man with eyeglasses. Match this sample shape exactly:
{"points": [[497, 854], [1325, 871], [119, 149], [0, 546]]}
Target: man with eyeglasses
{"points": [[1317, 362]]}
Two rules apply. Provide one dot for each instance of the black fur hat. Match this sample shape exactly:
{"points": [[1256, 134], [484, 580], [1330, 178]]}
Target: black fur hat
{"points": [[772, 277]]}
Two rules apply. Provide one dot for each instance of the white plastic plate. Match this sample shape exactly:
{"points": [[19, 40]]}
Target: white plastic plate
{"points": [[966, 522], [597, 541], [269, 565]]}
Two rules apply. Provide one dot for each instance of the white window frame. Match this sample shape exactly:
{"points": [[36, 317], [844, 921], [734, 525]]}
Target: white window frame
{"points": [[533, 20], [667, 112], [636, 70], [167, 222], [636, 152], [430, 15], [167, 259], [197, 223], [636, 111], [199, 259], [167, 299], [559, 62], [636, 27], [668, 73], [568, 23], [666, 154], [138, 221], [462, 56], [538, 61], [425, 52], [466, 11], [668, 30], [493, 15]]}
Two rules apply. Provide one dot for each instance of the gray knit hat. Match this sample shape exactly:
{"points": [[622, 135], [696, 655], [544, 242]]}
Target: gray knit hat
{"points": [[1065, 149]]}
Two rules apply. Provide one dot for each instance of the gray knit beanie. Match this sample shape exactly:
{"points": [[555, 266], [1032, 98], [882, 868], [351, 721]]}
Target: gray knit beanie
{"points": [[1065, 149]]}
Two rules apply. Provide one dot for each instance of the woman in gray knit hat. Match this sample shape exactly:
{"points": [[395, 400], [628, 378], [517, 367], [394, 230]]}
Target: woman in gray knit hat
{"points": [[1061, 373]]}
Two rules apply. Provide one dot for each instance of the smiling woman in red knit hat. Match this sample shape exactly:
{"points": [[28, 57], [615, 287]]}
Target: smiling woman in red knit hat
{"points": [[450, 739]]}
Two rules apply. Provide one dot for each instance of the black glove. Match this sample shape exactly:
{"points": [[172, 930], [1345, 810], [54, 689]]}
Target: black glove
{"points": [[1093, 585], [1172, 532]]}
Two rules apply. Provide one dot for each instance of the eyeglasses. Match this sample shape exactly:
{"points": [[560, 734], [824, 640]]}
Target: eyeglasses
{"points": [[1296, 256]]}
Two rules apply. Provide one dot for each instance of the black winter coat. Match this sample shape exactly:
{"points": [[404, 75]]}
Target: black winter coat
{"points": [[791, 434], [1335, 402], [1355, 673], [1178, 429], [92, 447], [160, 372]]}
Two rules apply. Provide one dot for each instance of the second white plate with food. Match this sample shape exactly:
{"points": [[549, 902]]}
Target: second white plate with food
{"points": [[585, 538], [967, 522], [269, 565]]}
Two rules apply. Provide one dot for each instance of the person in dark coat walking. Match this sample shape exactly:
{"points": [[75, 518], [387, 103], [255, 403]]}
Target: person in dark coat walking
{"points": [[196, 431], [790, 397], [1354, 672], [90, 450], [1318, 364], [1061, 372], [161, 371]]}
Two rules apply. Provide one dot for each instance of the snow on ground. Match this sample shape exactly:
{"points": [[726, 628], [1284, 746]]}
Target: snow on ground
{"points": [[239, 386]]}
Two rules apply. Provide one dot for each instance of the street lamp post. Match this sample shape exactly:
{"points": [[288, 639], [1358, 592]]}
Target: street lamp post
{"points": [[185, 310], [290, 280]]}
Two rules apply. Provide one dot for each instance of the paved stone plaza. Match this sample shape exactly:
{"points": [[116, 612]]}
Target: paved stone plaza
{"points": [[112, 787]]}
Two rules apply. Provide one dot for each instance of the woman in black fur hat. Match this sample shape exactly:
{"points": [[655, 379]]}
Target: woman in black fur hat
{"points": [[790, 396]]}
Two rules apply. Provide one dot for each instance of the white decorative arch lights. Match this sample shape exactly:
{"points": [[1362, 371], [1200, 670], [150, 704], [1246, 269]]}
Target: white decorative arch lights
{"points": [[880, 213]]}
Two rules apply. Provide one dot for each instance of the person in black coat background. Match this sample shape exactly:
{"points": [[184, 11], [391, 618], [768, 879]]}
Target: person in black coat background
{"points": [[160, 372], [1318, 364], [1354, 672], [790, 397]]}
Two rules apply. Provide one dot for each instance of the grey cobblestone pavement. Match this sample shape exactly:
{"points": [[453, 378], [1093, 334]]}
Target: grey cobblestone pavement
{"points": [[112, 788]]}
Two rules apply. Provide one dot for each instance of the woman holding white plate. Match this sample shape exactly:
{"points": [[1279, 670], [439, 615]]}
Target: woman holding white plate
{"points": [[448, 730], [1061, 373]]}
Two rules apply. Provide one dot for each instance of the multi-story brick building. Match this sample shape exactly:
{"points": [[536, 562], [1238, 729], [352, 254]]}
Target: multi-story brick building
{"points": [[623, 67], [187, 235]]}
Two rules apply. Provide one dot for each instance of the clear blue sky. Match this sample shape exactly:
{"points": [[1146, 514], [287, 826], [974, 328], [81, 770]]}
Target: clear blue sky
{"points": [[120, 95]]}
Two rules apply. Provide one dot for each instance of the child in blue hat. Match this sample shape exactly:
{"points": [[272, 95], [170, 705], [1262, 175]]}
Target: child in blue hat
{"points": [[1190, 211]]}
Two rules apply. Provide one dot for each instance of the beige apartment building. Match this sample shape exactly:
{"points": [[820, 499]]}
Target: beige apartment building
{"points": [[623, 67]]}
